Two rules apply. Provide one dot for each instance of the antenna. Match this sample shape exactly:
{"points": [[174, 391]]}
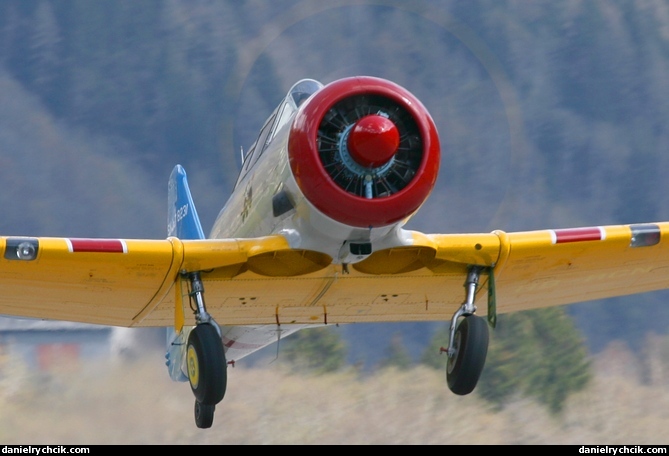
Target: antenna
{"points": [[278, 342], [241, 153]]}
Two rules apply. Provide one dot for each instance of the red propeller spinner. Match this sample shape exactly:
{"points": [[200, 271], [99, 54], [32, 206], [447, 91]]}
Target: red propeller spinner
{"points": [[373, 141]]}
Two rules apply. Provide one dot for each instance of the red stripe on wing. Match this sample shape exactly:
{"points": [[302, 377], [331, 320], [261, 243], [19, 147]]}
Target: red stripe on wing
{"points": [[97, 245], [579, 234]]}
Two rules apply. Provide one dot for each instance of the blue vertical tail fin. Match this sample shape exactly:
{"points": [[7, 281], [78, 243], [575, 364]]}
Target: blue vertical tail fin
{"points": [[182, 219], [183, 223]]}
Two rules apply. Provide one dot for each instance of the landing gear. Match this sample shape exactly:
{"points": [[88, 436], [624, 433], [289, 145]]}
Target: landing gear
{"points": [[205, 359], [204, 415], [464, 367], [468, 341]]}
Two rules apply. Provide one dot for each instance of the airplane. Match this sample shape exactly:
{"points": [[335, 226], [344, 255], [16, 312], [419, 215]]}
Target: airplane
{"points": [[313, 235]]}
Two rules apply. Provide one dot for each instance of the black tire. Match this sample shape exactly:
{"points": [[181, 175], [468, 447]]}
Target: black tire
{"points": [[204, 415], [471, 347], [207, 367]]}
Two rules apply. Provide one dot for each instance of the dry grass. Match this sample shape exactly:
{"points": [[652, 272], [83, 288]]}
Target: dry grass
{"points": [[136, 403]]}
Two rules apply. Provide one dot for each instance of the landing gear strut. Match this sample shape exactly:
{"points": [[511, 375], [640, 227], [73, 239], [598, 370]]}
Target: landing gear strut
{"points": [[205, 359], [468, 341]]}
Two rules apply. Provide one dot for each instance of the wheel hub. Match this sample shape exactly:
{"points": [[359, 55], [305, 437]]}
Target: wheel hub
{"points": [[193, 367]]}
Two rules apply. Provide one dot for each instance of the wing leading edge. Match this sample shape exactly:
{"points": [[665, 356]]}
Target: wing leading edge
{"points": [[555, 267], [262, 281], [108, 281]]}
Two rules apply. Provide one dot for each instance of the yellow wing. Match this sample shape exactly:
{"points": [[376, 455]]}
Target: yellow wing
{"points": [[108, 281], [263, 281]]}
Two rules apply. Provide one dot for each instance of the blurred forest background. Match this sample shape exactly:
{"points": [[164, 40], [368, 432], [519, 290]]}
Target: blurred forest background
{"points": [[551, 114]]}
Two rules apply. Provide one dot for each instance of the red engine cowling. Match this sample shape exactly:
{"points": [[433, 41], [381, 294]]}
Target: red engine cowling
{"points": [[364, 151]]}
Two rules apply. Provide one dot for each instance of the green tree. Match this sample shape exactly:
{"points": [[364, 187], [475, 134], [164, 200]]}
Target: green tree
{"points": [[318, 350], [558, 360]]}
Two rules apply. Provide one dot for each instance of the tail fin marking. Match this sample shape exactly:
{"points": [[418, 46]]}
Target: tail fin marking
{"points": [[182, 219]]}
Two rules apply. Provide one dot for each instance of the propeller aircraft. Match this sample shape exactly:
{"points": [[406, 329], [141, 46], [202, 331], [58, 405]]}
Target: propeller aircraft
{"points": [[312, 235]]}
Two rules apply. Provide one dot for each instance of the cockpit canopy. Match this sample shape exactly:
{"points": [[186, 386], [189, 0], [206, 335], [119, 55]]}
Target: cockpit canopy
{"points": [[303, 90], [282, 114]]}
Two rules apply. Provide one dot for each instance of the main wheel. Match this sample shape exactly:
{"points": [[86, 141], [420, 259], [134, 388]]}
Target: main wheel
{"points": [[207, 368], [471, 347], [204, 415]]}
